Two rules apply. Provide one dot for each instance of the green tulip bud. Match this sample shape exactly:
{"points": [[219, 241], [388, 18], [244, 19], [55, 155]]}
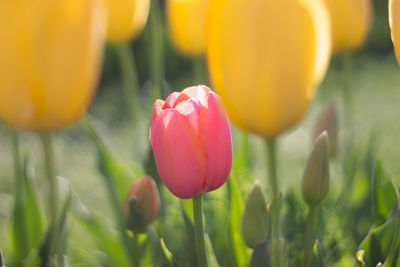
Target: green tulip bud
{"points": [[316, 174], [1, 258], [327, 121], [141, 205], [255, 226]]}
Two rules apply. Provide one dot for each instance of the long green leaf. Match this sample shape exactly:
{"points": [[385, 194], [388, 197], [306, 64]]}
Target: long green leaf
{"points": [[238, 246]]}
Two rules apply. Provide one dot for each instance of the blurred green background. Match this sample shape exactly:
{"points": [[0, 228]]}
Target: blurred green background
{"points": [[375, 83]]}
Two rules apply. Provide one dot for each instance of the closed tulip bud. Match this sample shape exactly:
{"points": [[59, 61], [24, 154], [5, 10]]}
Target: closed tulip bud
{"points": [[394, 22], [350, 21], [266, 58], [1, 258], [316, 174], [50, 60], [126, 19], [187, 23], [255, 225], [191, 141], [141, 204], [327, 121]]}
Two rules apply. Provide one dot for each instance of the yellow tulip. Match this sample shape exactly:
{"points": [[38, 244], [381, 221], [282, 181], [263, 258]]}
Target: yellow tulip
{"points": [[394, 22], [126, 19], [50, 59], [187, 22], [266, 58], [350, 21]]}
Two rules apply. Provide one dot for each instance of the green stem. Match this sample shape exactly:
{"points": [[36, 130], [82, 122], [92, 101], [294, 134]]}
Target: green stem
{"points": [[51, 177], [308, 239], [20, 219], [129, 78], [347, 91], [273, 182], [155, 244], [199, 231], [157, 52], [198, 70], [136, 251]]}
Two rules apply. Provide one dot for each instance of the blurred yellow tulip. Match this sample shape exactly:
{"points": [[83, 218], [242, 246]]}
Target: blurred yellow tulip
{"points": [[187, 22], [126, 19], [350, 21], [50, 59], [394, 22], [266, 58]]}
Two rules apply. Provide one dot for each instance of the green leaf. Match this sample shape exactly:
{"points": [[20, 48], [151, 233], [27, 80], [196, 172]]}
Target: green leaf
{"points": [[27, 221], [383, 195], [34, 211], [55, 240], [360, 258], [238, 246], [117, 174], [189, 247], [1, 258], [167, 254], [187, 206], [317, 259], [212, 259], [394, 258], [108, 241]]}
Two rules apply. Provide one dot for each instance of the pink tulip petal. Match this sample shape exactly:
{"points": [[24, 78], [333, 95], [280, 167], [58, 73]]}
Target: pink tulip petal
{"points": [[198, 92], [157, 109], [170, 101], [215, 135], [174, 99], [179, 155], [190, 109]]}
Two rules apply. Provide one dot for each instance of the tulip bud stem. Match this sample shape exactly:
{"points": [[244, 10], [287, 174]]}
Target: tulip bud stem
{"points": [[48, 154], [155, 244], [130, 79], [273, 182], [199, 231], [308, 239]]}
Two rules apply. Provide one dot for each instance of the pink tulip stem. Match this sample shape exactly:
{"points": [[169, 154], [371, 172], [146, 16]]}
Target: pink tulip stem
{"points": [[273, 182], [199, 231], [129, 79], [308, 239]]}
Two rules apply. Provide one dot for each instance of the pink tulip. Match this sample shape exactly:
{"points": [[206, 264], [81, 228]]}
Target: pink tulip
{"points": [[191, 141]]}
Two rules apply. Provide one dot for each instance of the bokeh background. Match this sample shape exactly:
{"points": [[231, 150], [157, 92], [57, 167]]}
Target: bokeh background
{"points": [[375, 84]]}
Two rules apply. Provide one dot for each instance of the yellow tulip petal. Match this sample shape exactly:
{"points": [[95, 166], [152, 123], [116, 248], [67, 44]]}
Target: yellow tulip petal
{"points": [[126, 19], [49, 61], [187, 22], [394, 22], [266, 57], [350, 20]]}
